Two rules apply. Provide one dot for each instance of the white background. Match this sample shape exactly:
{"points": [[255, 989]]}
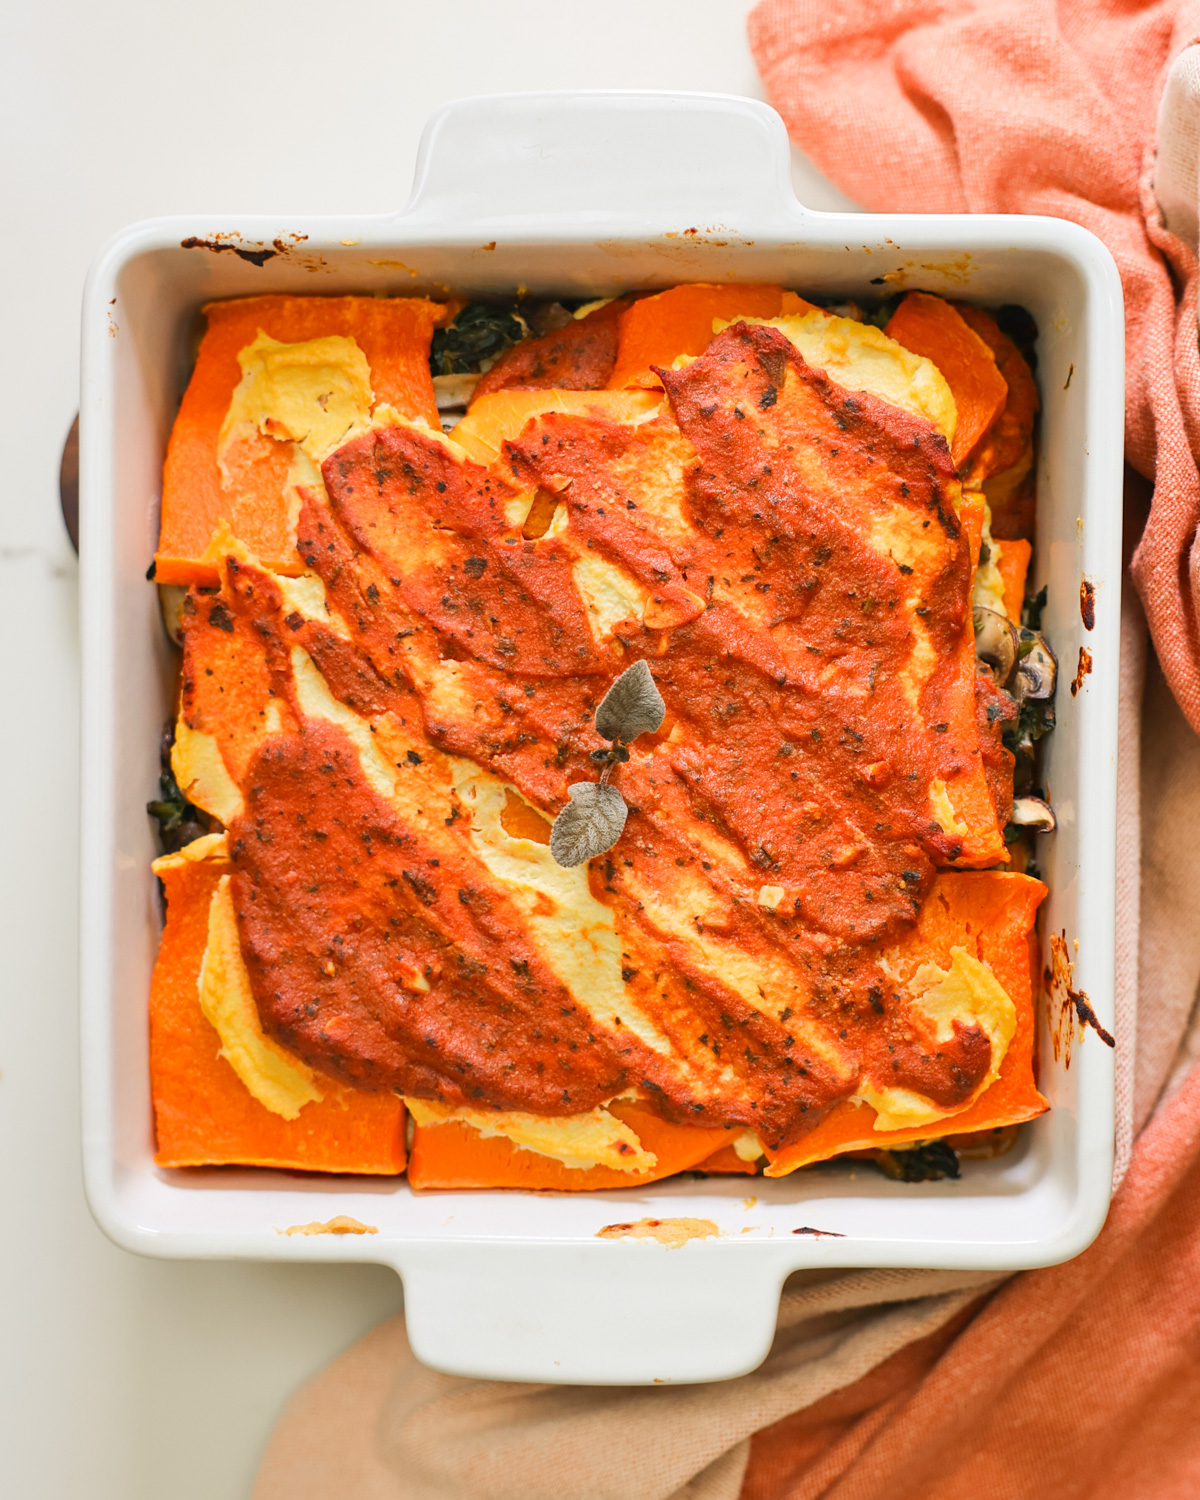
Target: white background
{"points": [[122, 1377]]}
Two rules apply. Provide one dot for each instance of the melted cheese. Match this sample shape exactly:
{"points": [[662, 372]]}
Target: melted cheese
{"points": [[747, 1145], [609, 595], [989, 584], [595, 1139], [968, 992], [210, 846], [504, 414], [574, 932], [860, 357], [198, 767], [279, 1081], [306, 596], [302, 474], [315, 699], [316, 393], [944, 813]]}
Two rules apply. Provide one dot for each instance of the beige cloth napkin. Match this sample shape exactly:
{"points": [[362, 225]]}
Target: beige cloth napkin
{"points": [[377, 1425], [1177, 157]]}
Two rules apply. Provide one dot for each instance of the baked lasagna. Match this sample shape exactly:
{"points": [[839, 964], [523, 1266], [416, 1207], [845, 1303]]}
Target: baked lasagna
{"points": [[408, 548]]}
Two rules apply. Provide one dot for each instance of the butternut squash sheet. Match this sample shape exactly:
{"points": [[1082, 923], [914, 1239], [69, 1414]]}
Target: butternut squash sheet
{"points": [[390, 608]]}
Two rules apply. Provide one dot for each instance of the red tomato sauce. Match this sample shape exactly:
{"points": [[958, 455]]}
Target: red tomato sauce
{"points": [[789, 738]]}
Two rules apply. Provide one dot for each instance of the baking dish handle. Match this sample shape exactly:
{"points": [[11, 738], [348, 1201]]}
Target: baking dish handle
{"points": [[688, 163], [604, 1312]]}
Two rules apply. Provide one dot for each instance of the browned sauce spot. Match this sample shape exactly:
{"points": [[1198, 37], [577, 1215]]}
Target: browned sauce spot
{"points": [[1069, 1005], [670, 1232], [1087, 603], [342, 1224], [1081, 671], [255, 257]]}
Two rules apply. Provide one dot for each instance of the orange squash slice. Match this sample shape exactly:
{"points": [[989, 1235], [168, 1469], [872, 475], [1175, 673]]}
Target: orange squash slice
{"points": [[454, 1155], [657, 330], [204, 1115], [991, 913], [929, 326], [246, 485]]}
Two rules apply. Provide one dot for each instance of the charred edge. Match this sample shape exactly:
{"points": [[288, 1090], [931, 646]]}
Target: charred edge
{"points": [[818, 1234], [1081, 671], [1076, 999], [255, 257], [1087, 604], [1088, 1017]]}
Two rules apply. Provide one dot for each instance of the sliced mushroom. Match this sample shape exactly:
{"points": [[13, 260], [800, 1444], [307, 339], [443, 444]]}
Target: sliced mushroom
{"points": [[546, 317], [1037, 667], [996, 642], [1033, 812]]}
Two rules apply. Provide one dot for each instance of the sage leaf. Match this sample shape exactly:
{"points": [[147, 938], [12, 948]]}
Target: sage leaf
{"points": [[590, 824], [632, 706]]}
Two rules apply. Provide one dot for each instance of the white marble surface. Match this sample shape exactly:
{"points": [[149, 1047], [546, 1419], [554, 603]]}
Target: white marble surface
{"points": [[122, 1377]]}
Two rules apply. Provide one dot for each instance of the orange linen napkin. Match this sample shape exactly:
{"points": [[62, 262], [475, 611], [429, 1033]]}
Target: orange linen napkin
{"points": [[1077, 1381], [1072, 1381], [1025, 106]]}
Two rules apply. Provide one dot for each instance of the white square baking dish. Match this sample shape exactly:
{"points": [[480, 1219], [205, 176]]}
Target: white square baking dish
{"points": [[572, 194]]}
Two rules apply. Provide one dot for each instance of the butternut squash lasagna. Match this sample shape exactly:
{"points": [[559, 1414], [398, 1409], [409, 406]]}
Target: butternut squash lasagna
{"points": [[408, 548]]}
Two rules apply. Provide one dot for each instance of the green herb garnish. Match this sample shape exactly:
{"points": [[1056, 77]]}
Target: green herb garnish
{"points": [[594, 819]]}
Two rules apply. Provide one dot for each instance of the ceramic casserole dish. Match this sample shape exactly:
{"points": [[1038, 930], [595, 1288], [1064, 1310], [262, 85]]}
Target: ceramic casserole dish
{"points": [[590, 195]]}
